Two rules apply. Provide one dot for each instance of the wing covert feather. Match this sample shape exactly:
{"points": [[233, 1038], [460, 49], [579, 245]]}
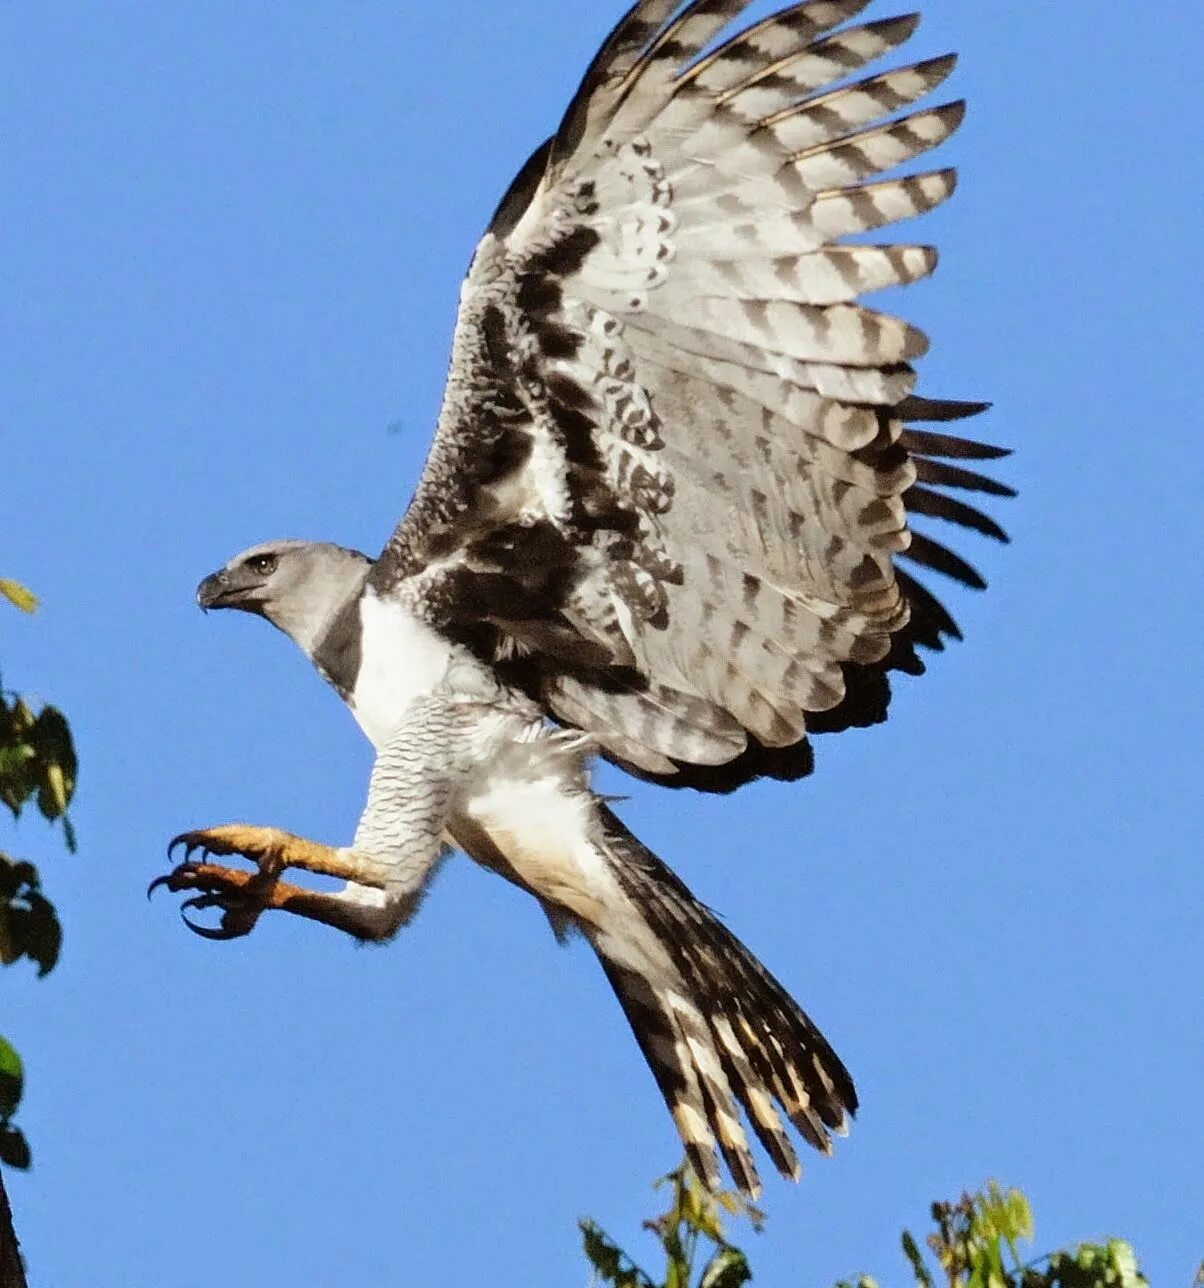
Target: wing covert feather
{"points": [[677, 460]]}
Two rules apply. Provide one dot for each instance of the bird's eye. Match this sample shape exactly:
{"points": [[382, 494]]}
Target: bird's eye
{"points": [[262, 564]]}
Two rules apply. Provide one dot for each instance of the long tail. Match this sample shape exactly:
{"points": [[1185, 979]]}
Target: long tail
{"points": [[714, 1025]]}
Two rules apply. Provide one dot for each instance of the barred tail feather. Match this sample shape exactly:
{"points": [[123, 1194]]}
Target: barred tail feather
{"points": [[720, 1034]]}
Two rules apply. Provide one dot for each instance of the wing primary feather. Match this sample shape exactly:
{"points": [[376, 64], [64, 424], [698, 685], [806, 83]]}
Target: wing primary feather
{"points": [[814, 65], [931, 554], [922, 500], [856, 156], [930, 619], [938, 409], [769, 40], [944, 475], [862, 207], [865, 100], [619, 52]]}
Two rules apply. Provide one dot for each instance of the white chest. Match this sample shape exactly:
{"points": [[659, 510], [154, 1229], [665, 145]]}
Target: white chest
{"points": [[401, 660]]}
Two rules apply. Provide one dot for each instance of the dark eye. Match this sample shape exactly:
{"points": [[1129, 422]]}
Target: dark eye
{"points": [[262, 565]]}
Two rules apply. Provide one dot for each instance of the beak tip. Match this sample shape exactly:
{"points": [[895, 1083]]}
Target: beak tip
{"points": [[209, 592]]}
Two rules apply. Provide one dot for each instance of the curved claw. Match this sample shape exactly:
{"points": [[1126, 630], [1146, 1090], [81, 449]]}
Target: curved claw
{"points": [[187, 840], [164, 880], [224, 931], [238, 894], [241, 895], [167, 881]]}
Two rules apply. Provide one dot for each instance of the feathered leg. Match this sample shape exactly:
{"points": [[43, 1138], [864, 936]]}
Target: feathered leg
{"points": [[397, 848]]}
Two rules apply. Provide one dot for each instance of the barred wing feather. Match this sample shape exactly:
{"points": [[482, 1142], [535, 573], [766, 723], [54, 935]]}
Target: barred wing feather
{"points": [[677, 463]]}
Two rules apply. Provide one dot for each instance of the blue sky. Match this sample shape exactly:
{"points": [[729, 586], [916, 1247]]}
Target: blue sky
{"points": [[233, 237]]}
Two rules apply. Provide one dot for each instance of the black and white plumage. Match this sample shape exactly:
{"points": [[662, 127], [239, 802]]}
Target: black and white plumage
{"points": [[662, 520]]}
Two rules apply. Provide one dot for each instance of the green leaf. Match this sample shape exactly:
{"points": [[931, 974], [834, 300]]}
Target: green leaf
{"points": [[1124, 1261], [29, 925], [37, 758], [14, 758], [14, 1148], [599, 1251], [9, 949], [52, 792], [39, 933], [12, 1079], [698, 1212], [607, 1259], [16, 594], [993, 1258], [1020, 1215], [914, 1256], [50, 738], [19, 773], [728, 1268], [15, 878]]}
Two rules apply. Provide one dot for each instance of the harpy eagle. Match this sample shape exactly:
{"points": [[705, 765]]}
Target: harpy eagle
{"points": [[664, 520]]}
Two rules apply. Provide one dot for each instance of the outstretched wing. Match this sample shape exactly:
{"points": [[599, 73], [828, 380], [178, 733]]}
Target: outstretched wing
{"points": [[676, 465]]}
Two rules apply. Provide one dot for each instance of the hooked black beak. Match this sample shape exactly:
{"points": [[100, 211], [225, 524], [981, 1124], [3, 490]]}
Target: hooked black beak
{"points": [[216, 592]]}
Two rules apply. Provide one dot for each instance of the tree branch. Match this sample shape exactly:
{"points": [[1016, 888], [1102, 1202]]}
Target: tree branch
{"points": [[12, 1272]]}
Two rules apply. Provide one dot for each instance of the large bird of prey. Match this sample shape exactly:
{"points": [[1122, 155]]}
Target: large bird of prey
{"points": [[663, 521]]}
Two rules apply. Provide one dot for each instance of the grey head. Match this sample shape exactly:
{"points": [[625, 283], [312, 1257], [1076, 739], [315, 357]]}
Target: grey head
{"points": [[299, 586]]}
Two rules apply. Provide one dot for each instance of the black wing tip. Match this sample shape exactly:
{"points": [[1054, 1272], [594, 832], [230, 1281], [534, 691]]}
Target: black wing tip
{"points": [[908, 22], [935, 504], [916, 407], [942, 63]]}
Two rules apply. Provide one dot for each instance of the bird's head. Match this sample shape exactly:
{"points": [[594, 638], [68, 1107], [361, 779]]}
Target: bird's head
{"points": [[297, 585]]}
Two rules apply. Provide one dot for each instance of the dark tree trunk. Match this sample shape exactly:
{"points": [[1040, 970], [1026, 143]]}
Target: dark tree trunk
{"points": [[12, 1272]]}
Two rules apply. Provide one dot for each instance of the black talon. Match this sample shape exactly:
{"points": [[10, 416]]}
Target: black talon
{"points": [[165, 879], [240, 910], [225, 931], [190, 844]]}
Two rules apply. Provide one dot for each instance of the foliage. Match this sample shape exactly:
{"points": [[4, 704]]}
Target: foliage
{"points": [[38, 764], [975, 1245], [14, 1149], [16, 594], [29, 926], [691, 1227], [37, 761]]}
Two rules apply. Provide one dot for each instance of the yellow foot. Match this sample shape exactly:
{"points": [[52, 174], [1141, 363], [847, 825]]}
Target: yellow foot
{"points": [[243, 895], [271, 848], [240, 895]]}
